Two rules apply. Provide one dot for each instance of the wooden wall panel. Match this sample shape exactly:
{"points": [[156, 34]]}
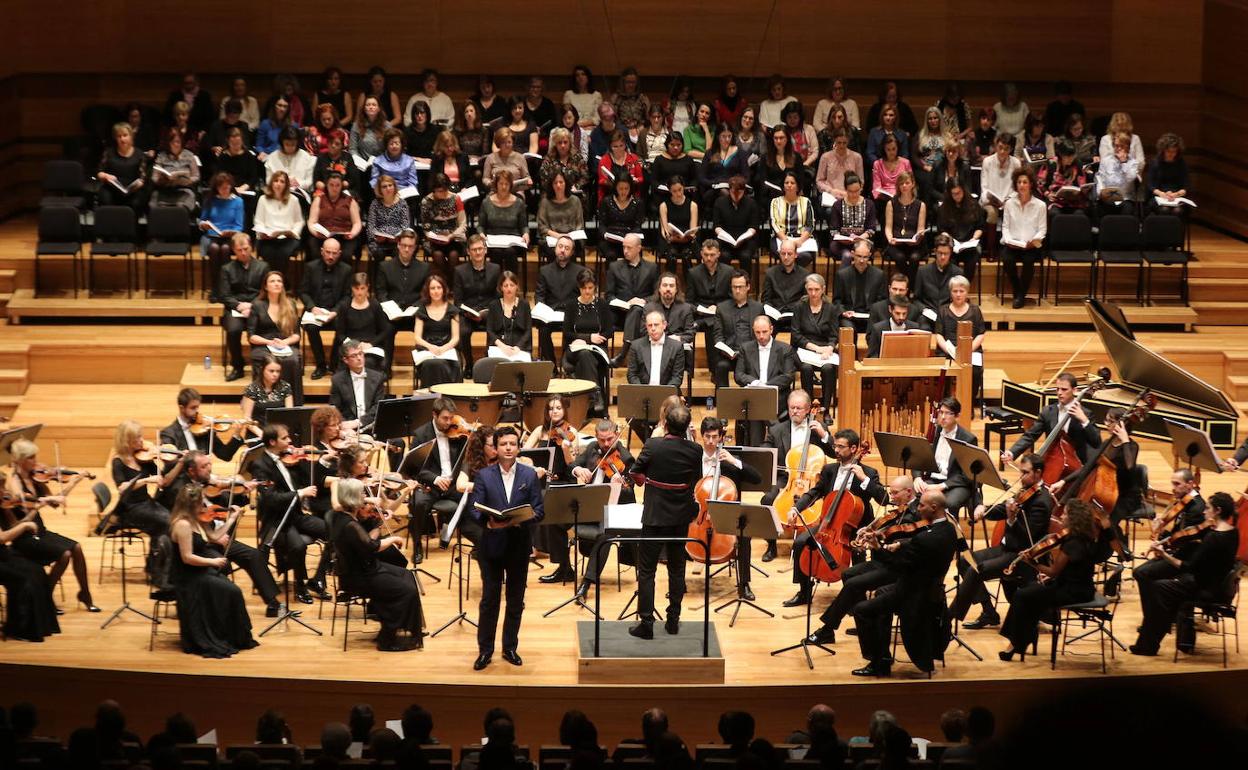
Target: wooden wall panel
{"points": [[1222, 171]]}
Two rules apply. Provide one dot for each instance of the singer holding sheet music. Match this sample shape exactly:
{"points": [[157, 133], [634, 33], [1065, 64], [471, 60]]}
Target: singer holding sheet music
{"points": [[505, 546], [325, 284], [905, 225], [445, 223], [361, 318], [273, 328], [508, 323], [588, 320], [437, 332], [475, 285], [504, 213]]}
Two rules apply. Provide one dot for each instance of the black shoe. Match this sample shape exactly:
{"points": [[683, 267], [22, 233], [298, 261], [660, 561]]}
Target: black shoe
{"points": [[1126, 556], [1019, 302], [482, 661], [512, 657], [851, 631], [985, 620], [418, 555], [399, 645], [800, 599], [822, 635], [583, 590], [59, 612], [87, 602], [642, 630], [317, 589], [672, 626], [770, 553], [1006, 655], [1138, 650], [303, 597], [873, 669], [234, 374], [561, 575], [318, 372], [273, 610], [746, 593]]}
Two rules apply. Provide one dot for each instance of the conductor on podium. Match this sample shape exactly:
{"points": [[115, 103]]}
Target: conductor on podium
{"points": [[670, 467]]}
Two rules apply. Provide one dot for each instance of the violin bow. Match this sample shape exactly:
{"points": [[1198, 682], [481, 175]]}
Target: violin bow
{"points": [[60, 482]]}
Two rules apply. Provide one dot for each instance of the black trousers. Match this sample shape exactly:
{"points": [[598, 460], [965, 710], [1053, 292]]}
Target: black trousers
{"points": [[545, 340], [420, 503], [874, 620], [1027, 608], [647, 567], [828, 380], [1148, 575], [292, 545], [855, 583], [234, 328], [630, 321], [992, 563], [316, 343], [1020, 279], [906, 258], [512, 568], [1163, 602], [588, 537], [253, 563]]}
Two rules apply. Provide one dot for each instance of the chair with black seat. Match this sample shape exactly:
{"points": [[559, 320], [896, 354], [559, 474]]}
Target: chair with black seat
{"points": [[1162, 243], [1220, 607], [197, 752], [64, 184], [60, 235], [1098, 613], [168, 235], [272, 755], [113, 533], [1118, 243], [116, 235], [340, 597], [1069, 242]]}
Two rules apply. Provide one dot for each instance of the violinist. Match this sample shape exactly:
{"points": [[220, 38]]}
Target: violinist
{"points": [[355, 389], [437, 475], [713, 434], [1205, 570], [846, 472], [1187, 510], [948, 477], [327, 435], [181, 433], [392, 591], [133, 472], [786, 434], [1123, 452], [1082, 432], [607, 460], [1066, 579], [42, 546], [289, 482], [555, 431], [29, 612], [871, 575], [212, 613], [478, 454], [1026, 518], [918, 596]]}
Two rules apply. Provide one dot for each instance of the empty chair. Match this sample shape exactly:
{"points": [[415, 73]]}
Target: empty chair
{"points": [[115, 236], [60, 235], [168, 235], [1070, 243], [1119, 244], [1163, 243], [64, 184]]}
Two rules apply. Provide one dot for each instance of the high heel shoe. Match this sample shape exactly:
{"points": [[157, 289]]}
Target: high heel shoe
{"points": [[1008, 655], [87, 603]]}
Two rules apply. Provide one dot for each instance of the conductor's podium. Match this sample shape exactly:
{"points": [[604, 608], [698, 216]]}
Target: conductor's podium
{"points": [[665, 659]]}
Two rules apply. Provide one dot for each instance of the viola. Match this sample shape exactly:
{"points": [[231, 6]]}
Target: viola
{"points": [[708, 488], [213, 512], [166, 453], [1171, 514], [1187, 533], [842, 511], [9, 501], [296, 455], [222, 425], [901, 531], [44, 475], [612, 464], [868, 533], [803, 465]]}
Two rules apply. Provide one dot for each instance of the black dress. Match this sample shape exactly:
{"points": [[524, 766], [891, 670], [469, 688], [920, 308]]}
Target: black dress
{"points": [[817, 329], [212, 614], [1032, 602], [136, 508], [266, 400], [260, 323], [681, 217], [30, 614], [516, 330], [43, 547], [434, 371], [392, 590], [370, 325]]}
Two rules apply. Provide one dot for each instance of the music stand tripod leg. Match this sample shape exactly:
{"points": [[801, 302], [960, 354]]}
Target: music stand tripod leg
{"points": [[125, 601], [461, 616], [576, 577], [805, 644]]}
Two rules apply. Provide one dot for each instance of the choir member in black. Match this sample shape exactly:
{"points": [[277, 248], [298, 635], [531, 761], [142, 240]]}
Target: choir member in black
{"points": [[733, 326], [240, 282], [479, 452], [508, 320], [132, 477], [678, 220], [589, 468], [391, 590], [706, 285], [949, 477], [846, 472], [588, 319], [1080, 430], [1204, 571], [859, 286], [437, 332], [212, 613], [326, 284], [43, 546], [905, 221], [959, 309], [815, 324], [735, 216], [858, 579], [960, 217], [676, 311], [360, 318], [898, 321], [787, 433], [931, 284], [180, 434], [618, 216], [504, 550], [898, 286], [656, 358], [1124, 453], [918, 596], [273, 327], [1066, 579], [1191, 511], [851, 220], [401, 281], [30, 614], [631, 280], [290, 483], [556, 289], [475, 286], [437, 474], [712, 435], [784, 285], [355, 389], [671, 466], [1025, 523], [765, 361]]}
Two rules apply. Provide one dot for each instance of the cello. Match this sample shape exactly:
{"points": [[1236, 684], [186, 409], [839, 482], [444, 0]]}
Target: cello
{"points": [[803, 467], [1099, 484], [1060, 457], [837, 529], [708, 488]]}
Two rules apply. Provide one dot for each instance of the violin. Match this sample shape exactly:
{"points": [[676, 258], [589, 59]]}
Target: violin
{"points": [[166, 453], [460, 428], [232, 486], [803, 465], [298, 454], [868, 533], [998, 531], [564, 435], [44, 475], [1045, 545], [1187, 533], [714, 487], [9, 501], [612, 464], [1172, 513], [213, 512], [222, 425]]}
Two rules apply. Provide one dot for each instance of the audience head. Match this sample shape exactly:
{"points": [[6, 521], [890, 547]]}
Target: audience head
{"points": [[576, 730], [980, 725], [384, 744], [335, 740], [361, 721], [736, 728], [653, 725], [953, 725], [271, 727]]}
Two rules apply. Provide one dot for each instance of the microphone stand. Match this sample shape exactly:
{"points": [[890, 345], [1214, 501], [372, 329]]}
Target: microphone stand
{"points": [[287, 613], [813, 543], [957, 584]]}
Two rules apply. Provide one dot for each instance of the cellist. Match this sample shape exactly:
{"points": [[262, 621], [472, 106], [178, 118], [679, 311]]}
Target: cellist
{"points": [[1021, 531], [1082, 432], [786, 434], [713, 453], [847, 472]]}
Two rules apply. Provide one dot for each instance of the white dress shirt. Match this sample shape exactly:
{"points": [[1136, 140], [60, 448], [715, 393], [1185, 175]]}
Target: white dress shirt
{"points": [[444, 453], [656, 361], [187, 435], [944, 453], [764, 359], [797, 433], [358, 381], [708, 463], [509, 479]]}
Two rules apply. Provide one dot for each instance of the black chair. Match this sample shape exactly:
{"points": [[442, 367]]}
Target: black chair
{"points": [[1070, 243], [1098, 613], [64, 184], [1163, 244], [60, 235], [168, 235], [113, 533], [1220, 607], [1118, 243], [116, 235]]}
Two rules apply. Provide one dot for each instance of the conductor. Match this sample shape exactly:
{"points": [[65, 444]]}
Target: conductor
{"points": [[670, 466]]}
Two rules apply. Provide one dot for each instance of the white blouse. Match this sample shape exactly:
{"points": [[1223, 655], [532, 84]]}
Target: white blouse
{"points": [[1024, 224]]}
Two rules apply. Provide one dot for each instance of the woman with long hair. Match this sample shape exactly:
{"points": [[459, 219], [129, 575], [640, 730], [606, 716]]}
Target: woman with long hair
{"points": [[369, 130], [136, 506], [778, 159], [437, 333], [332, 93], [273, 328], [278, 223], [388, 217], [267, 390], [379, 91]]}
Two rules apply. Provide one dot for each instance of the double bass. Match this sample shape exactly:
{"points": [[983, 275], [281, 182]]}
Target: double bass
{"points": [[803, 466], [838, 526], [1060, 457], [708, 488], [1099, 484]]}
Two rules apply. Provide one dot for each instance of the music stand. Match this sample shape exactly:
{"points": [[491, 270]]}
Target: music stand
{"points": [[398, 418], [575, 504], [818, 549], [913, 454], [297, 419], [761, 459], [747, 404], [485, 410], [521, 377], [641, 403], [7, 438], [747, 521], [542, 457], [414, 461], [1194, 446]]}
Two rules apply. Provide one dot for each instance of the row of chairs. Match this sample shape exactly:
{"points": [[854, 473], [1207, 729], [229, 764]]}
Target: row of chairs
{"points": [[1122, 241]]}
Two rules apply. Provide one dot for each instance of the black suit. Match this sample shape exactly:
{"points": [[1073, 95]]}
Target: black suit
{"points": [[879, 312], [666, 512], [1153, 570], [223, 450], [858, 291], [865, 576], [474, 289], [701, 290], [869, 491], [342, 394], [732, 326], [401, 284], [931, 288], [959, 489], [627, 282], [301, 529], [421, 501], [556, 288], [323, 287], [780, 367], [235, 285], [875, 336], [1028, 527], [1084, 438], [671, 362]]}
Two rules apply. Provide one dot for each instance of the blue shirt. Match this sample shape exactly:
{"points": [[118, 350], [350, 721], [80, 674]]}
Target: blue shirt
{"points": [[226, 214]]}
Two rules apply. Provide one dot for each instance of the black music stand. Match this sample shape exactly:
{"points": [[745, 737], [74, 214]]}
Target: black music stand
{"points": [[286, 614], [913, 454], [1194, 446], [7, 438], [641, 403], [297, 419], [410, 468], [443, 540], [805, 644], [747, 521], [520, 377], [575, 504], [747, 404], [398, 418], [541, 457], [763, 460]]}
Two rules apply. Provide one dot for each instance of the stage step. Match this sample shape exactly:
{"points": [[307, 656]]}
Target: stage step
{"points": [[1217, 289], [13, 382], [24, 304], [1221, 313], [8, 281], [1000, 315]]}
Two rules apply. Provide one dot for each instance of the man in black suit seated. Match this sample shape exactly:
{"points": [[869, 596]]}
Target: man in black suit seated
{"points": [[898, 321], [326, 283], [556, 288], [898, 286], [676, 311], [734, 319], [784, 435], [437, 473], [711, 436], [400, 280], [858, 286], [355, 389], [671, 466], [706, 285], [765, 361], [1080, 430], [289, 485], [237, 288], [179, 433], [848, 473], [949, 478], [656, 358], [784, 285], [631, 280], [931, 285]]}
